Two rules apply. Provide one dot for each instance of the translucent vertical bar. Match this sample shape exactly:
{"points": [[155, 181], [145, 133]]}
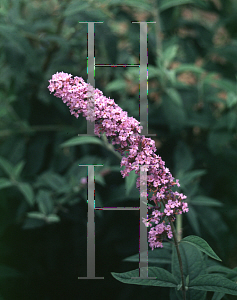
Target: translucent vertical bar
{"points": [[143, 78], [91, 79], [143, 244], [91, 76], [143, 109], [91, 225]]}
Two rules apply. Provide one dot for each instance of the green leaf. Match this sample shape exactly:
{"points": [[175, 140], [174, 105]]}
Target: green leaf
{"points": [[100, 179], [192, 190], [4, 182], [171, 77], [52, 218], [213, 222], [6, 166], [232, 120], [225, 84], [188, 177], [221, 269], [201, 244], [231, 99], [174, 96], [45, 202], [27, 191], [193, 220], [33, 222], [157, 256], [218, 296], [214, 283], [169, 54], [205, 201], [166, 4], [52, 180], [228, 51], [130, 181], [6, 272], [18, 169], [116, 85], [163, 277], [153, 72], [36, 215], [115, 168], [82, 140], [188, 68], [193, 265]]}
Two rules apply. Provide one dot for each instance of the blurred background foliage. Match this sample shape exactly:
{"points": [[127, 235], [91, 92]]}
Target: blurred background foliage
{"points": [[192, 53]]}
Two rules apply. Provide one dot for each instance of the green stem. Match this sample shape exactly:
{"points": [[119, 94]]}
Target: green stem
{"points": [[176, 243], [179, 227], [179, 258]]}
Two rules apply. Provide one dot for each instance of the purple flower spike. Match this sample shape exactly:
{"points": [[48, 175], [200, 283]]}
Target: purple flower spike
{"points": [[136, 150]]}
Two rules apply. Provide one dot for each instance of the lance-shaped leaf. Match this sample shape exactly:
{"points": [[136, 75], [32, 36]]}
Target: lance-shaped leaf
{"points": [[201, 245], [82, 140], [4, 182], [6, 166], [163, 277], [27, 191], [214, 283], [130, 181]]}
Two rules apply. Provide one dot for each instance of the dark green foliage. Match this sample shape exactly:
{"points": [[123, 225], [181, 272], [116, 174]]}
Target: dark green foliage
{"points": [[192, 109]]}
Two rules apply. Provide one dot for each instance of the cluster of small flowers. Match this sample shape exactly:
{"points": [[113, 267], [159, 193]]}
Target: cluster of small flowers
{"points": [[136, 150]]}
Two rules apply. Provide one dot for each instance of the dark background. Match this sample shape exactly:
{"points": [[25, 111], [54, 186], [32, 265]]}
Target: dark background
{"points": [[192, 109]]}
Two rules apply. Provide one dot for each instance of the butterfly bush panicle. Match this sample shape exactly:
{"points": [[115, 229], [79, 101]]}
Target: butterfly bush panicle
{"points": [[136, 150]]}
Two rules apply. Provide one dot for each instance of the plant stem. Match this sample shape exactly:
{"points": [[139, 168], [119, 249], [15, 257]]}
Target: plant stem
{"points": [[176, 243], [179, 227], [179, 258]]}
